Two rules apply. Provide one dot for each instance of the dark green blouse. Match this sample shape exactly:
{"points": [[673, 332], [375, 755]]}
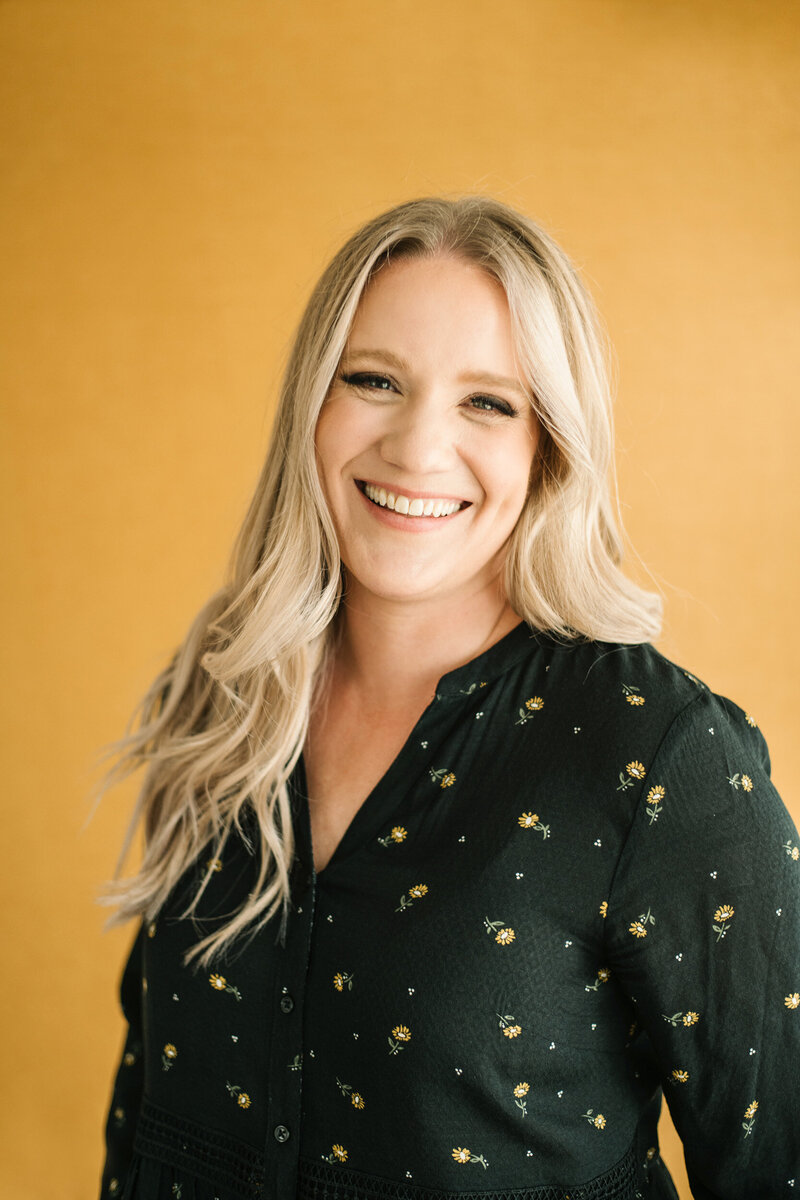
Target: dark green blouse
{"points": [[574, 887]]}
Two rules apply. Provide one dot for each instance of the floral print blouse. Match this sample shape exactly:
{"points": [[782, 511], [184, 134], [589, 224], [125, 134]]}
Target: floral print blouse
{"points": [[574, 890]]}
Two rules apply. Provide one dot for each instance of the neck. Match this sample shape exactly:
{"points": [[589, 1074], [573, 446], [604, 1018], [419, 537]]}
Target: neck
{"points": [[394, 651]]}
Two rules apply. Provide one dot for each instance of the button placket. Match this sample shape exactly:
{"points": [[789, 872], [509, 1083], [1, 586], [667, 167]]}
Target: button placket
{"points": [[286, 1053]]}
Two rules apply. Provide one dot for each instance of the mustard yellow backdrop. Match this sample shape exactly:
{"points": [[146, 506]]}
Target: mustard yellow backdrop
{"points": [[175, 173]]}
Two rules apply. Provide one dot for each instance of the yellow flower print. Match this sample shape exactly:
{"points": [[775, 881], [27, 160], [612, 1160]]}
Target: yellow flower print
{"points": [[414, 893], [749, 1114], [220, 984], [751, 721], [397, 834], [633, 695], [520, 1092], [679, 1075], [530, 820], [603, 976], [401, 1036], [598, 1120], [129, 1059], [505, 936], [682, 1018], [342, 980], [651, 1153], [724, 914], [356, 1099], [337, 1154], [747, 783], [168, 1056], [635, 771], [792, 1001], [214, 864], [639, 927], [604, 909], [638, 701], [119, 1115], [740, 781], [113, 1186], [531, 707], [508, 1025], [462, 1155], [444, 777], [241, 1097], [151, 929], [654, 798], [792, 850]]}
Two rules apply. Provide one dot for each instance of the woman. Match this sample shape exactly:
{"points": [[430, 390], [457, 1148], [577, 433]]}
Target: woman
{"points": [[447, 871]]}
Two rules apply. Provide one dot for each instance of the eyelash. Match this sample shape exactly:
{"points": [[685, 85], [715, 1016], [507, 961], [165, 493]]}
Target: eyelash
{"points": [[358, 379]]}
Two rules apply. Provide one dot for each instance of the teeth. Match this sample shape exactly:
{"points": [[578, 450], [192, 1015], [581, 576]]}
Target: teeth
{"points": [[412, 508]]}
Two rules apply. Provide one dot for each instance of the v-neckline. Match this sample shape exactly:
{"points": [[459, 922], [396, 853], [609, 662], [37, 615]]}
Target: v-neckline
{"points": [[456, 684]]}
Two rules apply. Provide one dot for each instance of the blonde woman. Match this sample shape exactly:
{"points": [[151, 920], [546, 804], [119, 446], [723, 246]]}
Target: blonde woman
{"points": [[448, 874]]}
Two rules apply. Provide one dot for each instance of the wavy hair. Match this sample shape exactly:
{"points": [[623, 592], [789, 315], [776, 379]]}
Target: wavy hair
{"points": [[223, 725]]}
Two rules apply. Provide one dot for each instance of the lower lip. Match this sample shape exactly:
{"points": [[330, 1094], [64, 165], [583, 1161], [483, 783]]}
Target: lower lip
{"points": [[396, 520]]}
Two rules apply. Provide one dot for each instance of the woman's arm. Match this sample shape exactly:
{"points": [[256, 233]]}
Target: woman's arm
{"points": [[704, 936], [126, 1097]]}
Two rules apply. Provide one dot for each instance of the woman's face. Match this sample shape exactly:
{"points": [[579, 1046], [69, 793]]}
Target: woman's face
{"points": [[427, 438]]}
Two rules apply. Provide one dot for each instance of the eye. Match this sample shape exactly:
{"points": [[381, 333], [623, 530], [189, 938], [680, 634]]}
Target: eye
{"points": [[367, 380], [492, 404]]}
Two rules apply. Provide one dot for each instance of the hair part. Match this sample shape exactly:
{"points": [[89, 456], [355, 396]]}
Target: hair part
{"points": [[221, 728]]}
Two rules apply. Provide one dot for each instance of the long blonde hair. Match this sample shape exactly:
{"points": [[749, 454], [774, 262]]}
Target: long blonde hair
{"points": [[221, 728]]}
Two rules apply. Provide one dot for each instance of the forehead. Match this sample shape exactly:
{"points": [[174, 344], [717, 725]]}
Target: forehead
{"points": [[436, 306]]}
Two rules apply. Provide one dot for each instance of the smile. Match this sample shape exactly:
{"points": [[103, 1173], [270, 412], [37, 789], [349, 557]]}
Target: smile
{"points": [[429, 506]]}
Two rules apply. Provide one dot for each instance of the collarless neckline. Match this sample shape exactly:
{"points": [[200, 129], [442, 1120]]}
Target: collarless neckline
{"points": [[499, 658]]}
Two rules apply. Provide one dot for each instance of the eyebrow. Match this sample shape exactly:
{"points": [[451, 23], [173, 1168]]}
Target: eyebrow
{"points": [[482, 377]]}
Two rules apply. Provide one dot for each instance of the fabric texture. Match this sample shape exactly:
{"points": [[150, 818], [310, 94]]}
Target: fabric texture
{"points": [[574, 888]]}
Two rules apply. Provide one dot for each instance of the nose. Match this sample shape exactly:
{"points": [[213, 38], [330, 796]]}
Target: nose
{"points": [[420, 439]]}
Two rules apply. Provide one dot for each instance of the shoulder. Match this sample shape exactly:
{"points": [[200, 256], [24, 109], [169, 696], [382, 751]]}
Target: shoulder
{"points": [[633, 679], [616, 704]]}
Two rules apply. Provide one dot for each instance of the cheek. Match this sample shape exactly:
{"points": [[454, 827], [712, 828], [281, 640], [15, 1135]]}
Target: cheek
{"points": [[344, 430], [508, 476]]}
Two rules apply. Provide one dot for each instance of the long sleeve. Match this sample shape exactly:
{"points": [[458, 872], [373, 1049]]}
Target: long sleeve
{"points": [[127, 1093], [703, 934]]}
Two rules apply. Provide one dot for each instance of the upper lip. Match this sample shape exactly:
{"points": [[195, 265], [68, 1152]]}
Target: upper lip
{"points": [[412, 494]]}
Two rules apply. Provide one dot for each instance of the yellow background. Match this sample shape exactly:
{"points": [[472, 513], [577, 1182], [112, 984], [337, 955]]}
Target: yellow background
{"points": [[175, 173]]}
